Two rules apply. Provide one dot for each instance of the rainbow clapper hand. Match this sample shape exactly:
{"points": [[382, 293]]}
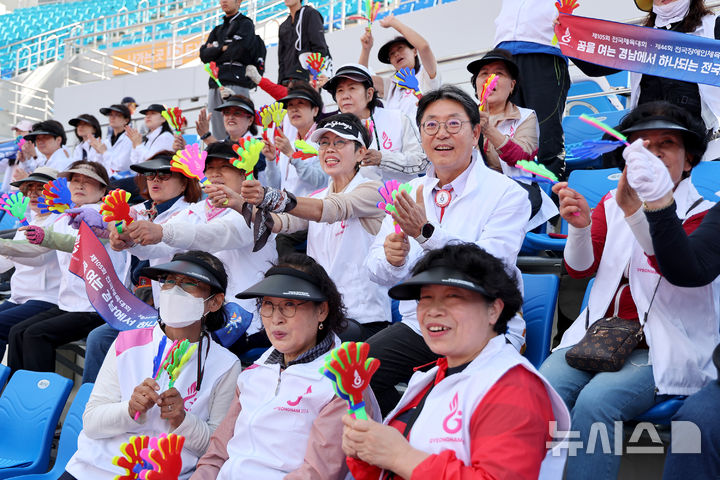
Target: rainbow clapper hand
{"points": [[486, 90], [16, 204], [248, 151], [350, 370], [304, 150], [115, 208], [212, 70], [190, 161]]}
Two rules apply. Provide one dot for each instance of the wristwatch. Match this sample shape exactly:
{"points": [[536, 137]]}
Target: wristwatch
{"points": [[205, 135], [425, 233]]}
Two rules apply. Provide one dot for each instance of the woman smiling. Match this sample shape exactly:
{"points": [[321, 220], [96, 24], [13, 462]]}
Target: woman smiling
{"points": [[483, 411]]}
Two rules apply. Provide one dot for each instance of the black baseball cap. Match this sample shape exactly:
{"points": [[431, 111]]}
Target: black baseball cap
{"points": [[128, 100], [353, 71], [285, 282], [158, 163], [440, 275], [153, 107], [121, 109], [303, 95], [343, 129], [237, 101], [47, 127], [190, 266], [384, 52], [495, 55], [222, 150]]}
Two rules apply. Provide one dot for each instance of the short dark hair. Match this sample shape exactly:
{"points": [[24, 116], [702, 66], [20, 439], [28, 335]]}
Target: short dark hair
{"points": [[93, 122], [482, 268], [213, 320], [191, 194], [695, 143], [448, 92], [99, 168], [336, 321], [305, 87]]}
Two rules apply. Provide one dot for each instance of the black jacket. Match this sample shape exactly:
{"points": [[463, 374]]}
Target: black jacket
{"points": [[237, 33], [309, 23]]}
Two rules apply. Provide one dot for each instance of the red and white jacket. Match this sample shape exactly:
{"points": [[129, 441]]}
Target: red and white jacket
{"points": [[683, 325]]}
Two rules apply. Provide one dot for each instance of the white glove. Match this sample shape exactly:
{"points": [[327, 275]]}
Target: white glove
{"points": [[646, 173], [252, 73]]}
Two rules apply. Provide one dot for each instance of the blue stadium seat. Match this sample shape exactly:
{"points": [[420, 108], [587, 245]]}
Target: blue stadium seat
{"points": [[577, 131], [29, 410], [71, 428], [593, 185], [395, 308], [191, 138], [706, 178], [420, 4], [539, 299], [4, 374], [403, 8]]}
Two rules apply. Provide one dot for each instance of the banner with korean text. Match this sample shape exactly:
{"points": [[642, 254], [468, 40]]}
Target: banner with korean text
{"points": [[645, 50], [109, 297]]}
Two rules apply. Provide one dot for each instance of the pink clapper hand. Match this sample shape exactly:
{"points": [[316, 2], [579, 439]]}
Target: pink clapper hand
{"points": [[164, 455], [389, 192], [191, 162]]}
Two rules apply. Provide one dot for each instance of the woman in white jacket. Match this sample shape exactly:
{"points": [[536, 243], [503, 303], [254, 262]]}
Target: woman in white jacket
{"points": [[35, 283], [285, 421], [32, 342], [128, 399], [680, 325], [341, 220]]}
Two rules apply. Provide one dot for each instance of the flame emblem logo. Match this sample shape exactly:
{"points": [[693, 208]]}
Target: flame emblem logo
{"points": [[357, 379], [454, 418]]}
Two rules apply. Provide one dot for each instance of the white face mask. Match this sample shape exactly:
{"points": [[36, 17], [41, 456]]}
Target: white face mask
{"points": [[670, 12], [179, 309]]}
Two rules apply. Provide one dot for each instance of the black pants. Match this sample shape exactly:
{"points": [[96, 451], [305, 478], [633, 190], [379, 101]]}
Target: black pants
{"points": [[399, 350], [32, 342], [546, 83]]}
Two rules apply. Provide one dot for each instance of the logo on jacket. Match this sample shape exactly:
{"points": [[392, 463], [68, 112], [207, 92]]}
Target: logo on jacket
{"points": [[453, 422], [567, 36], [387, 143], [342, 228], [296, 402], [191, 397]]}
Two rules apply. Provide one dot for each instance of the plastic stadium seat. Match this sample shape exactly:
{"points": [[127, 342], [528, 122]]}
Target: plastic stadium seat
{"points": [[539, 299], [404, 8], [576, 131], [662, 413], [4, 374], [395, 308], [29, 410], [67, 445], [420, 4], [191, 138], [593, 185], [706, 178]]}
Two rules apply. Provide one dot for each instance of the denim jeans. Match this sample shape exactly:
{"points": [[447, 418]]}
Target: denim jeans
{"points": [[596, 401], [98, 344], [701, 409], [12, 314]]}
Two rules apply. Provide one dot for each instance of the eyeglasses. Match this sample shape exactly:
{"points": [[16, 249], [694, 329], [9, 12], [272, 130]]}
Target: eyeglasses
{"points": [[31, 187], [432, 127], [287, 309], [162, 176], [338, 144], [190, 286]]}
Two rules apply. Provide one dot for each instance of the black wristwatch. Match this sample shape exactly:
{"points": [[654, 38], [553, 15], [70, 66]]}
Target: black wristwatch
{"points": [[427, 230], [205, 135]]}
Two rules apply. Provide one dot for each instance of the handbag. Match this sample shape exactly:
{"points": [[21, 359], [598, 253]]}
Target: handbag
{"points": [[608, 343]]}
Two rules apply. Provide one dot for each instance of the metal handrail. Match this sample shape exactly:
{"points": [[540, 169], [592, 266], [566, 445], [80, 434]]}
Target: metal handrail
{"points": [[126, 12]]}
